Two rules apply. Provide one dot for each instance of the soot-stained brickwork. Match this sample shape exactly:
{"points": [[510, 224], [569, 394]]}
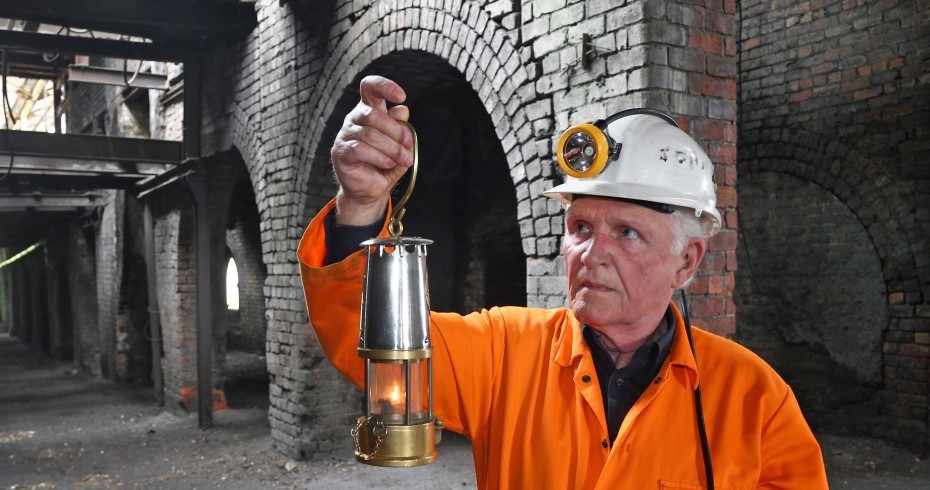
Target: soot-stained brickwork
{"points": [[82, 288], [285, 89], [831, 125], [276, 97], [825, 106]]}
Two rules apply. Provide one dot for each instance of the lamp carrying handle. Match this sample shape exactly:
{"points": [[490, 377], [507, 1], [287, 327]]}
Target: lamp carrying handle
{"points": [[395, 227]]}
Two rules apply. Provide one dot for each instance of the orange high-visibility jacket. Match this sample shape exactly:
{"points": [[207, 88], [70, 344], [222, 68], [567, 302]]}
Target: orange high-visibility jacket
{"points": [[521, 384]]}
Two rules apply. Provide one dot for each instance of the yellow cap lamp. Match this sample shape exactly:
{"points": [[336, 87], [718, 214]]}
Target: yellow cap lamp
{"points": [[398, 428], [583, 151]]}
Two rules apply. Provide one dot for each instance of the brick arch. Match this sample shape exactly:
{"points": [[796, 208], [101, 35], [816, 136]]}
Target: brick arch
{"points": [[869, 192], [471, 43], [250, 149], [858, 183]]}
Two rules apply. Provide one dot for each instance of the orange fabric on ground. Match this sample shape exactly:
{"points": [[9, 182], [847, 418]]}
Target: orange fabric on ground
{"points": [[521, 384]]}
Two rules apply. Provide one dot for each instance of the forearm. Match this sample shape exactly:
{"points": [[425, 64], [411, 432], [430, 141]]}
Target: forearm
{"points": [[356, 212], [333, 295]]}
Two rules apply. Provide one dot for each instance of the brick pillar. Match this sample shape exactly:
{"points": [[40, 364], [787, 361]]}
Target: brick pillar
{"points": [[708, 58], [676, 56], [82, 295], [174, 258]]}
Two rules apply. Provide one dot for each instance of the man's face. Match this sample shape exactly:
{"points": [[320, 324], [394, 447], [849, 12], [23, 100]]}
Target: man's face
{"points": [[621, 269]]}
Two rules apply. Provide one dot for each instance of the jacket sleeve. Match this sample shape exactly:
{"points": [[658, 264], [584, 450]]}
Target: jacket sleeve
{"points": [[791, 457], [462, 376]]}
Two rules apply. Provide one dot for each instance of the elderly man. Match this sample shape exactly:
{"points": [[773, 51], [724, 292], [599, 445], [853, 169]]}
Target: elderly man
{"points": [[601, 394]]}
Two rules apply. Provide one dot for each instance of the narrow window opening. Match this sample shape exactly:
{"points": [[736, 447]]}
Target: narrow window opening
{"points": [[232, 286]]}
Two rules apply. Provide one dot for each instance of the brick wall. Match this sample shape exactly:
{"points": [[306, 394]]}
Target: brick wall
{"points": [[278, 95], [834, 93], [174, 258], [281, 93], [82, 290], [674, 56], [133, 345], [823, 330], [109, 252]]}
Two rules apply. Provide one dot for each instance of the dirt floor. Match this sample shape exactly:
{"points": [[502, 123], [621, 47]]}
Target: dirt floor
{"points": [[63, 428]]}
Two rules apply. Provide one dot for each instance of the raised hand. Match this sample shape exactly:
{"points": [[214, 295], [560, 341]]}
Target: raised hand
{"points": [[372, 151]]}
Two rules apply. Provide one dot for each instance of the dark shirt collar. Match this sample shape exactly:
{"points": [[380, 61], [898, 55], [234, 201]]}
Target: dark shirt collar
{"points": [[651, 354]]}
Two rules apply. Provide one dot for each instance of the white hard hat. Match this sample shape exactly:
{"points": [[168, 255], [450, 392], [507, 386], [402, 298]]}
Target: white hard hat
{"points": [[642, 156]]}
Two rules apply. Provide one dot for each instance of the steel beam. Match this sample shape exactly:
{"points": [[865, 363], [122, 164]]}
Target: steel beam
{"points": [[34, 65], [122, 78], [49, 202], [164, 179], [49, 43], [69, 147], [200, 190], [27, 182], [164, 19], [68, 167]]}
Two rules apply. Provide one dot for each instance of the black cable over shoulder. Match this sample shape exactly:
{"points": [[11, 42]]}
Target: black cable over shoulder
{"points": [[699, 403]]}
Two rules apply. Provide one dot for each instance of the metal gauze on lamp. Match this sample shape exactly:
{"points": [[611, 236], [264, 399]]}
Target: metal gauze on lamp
{"points": [[398, 428]]}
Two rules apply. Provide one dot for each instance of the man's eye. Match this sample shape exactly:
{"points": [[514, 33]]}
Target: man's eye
{"points": [[630, 233], [581, 227]]}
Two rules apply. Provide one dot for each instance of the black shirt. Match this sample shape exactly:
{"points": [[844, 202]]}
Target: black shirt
{"points": [[344, 240], [620, 388]]}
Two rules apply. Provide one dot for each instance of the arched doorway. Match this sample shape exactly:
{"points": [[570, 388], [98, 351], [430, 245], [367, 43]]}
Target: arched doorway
{"points": [[464, 199], [811, 297], [245, 369]]}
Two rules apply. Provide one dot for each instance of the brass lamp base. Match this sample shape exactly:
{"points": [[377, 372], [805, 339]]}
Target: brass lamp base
{"points": [[397, 446]]}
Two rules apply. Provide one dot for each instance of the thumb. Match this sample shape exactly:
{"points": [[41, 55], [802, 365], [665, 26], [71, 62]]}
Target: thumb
{"points": [[376, 91]]}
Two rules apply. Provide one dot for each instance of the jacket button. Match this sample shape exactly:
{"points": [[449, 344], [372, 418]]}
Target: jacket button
{"points": [[586, 378], [657, 380], [604, 443]]}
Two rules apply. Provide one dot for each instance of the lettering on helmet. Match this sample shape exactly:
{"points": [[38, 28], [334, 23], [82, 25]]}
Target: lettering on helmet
{"points": [[681, 157]]}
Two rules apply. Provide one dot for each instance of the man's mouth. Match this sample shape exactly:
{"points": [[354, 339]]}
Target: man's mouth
{"points": [[594, 286]]}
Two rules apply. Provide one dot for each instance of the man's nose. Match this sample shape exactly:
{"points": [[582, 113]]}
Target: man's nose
{"points": [[594, 253]]}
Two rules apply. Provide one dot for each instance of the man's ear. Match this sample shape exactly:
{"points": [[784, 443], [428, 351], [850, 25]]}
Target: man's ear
{"points": [[690, 258]]}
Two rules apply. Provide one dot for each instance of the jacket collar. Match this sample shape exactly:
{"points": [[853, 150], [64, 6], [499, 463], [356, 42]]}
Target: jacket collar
{"points": [[571, 346]]}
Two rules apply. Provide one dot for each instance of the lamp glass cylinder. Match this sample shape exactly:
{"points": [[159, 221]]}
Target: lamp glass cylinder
{"points": [[395, 391]]}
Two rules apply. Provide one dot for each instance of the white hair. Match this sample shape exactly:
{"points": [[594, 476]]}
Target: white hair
{"points": [[685, 226]]}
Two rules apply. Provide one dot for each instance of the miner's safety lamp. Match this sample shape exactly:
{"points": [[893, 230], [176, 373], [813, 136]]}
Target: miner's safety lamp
{"points": [[398, 428]]}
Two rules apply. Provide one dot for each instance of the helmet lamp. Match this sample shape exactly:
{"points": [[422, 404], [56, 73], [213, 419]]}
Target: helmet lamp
{"points": [[583, 151]]}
